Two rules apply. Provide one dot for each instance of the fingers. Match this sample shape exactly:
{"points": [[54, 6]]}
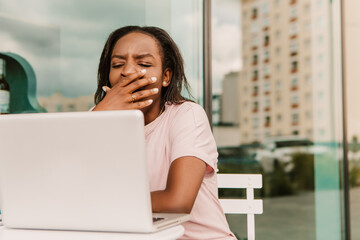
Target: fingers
{"points": [[143, 94], [141, 104], [136, 75], [140, 83]]}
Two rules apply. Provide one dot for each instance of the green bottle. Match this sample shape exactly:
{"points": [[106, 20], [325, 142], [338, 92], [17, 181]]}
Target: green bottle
{"points": [[4, 90]]}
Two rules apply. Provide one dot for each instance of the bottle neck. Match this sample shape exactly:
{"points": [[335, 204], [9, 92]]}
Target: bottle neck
{"points": [[2, 69]]}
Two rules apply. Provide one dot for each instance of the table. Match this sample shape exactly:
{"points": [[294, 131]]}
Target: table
{"points": [[25, 234]]}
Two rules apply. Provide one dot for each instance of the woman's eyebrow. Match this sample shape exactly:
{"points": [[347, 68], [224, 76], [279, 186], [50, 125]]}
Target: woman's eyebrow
{"points": [[137, 56], [144, 55], [118, 56]]}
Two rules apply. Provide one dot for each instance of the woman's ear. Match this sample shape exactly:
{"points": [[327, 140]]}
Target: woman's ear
{"points": [[167, 77]]}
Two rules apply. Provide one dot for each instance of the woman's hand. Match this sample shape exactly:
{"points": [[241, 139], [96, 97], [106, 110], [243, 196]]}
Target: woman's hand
{"points": [[128, 93]]}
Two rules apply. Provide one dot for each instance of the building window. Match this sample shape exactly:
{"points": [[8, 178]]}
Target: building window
{"points": [[266, 23], [266, 40], [279, 117], [294, 83], [278, 51], [266, 70], [267, 121], [254, 13], [265, 7], [267, 134], [255, 122], [278, 67], [293, 12], [278, 85], [255, 59], [294, 101], [255, 106], [295, 118], [278, 34], [266, 55], [255, 41], [255, 75], [294, 66], [255, 91], [293, 29], [255, 27], [293, 48], [267, 104], [267, 87]]}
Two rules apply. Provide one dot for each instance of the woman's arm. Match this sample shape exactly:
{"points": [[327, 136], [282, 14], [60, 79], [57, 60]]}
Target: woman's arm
{"points": [[183, 183]]}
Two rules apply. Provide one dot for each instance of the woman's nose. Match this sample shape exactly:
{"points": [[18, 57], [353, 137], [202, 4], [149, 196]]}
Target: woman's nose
{"points": [[129, 68]]}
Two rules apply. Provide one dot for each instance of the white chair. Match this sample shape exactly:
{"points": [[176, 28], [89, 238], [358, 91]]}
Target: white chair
{"points": [[249, 206]]}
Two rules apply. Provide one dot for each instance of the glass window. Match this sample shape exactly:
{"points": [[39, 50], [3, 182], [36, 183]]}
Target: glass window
{"points": [[305, 162], [293, 46], [63, 40], [293, 11], [293, 29]]}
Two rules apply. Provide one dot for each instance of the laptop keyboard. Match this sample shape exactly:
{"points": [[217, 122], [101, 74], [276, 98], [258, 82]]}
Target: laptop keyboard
{"points": [[157, 219]]}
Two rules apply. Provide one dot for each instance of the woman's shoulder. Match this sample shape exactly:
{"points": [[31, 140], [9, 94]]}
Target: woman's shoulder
{"points": [[188, 111], [185, 106]]}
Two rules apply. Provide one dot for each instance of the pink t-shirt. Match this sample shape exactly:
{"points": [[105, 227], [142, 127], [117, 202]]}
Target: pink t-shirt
{"points": [[184, 130]]}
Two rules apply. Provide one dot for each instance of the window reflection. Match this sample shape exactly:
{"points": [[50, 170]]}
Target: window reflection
{"points": [[285, 110]]}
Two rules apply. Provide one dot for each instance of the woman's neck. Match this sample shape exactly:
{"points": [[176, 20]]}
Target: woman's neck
{"points": [[154, 110]]}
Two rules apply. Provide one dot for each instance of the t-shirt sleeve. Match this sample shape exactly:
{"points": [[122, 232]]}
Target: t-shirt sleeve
{"points": [[190, 135]]}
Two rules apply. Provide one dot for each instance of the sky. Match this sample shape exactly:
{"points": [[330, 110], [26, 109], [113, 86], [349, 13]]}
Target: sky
{"points": [[63, 40]]}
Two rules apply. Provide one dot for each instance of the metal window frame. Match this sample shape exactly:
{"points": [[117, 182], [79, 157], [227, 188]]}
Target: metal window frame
{"points": [[207, 59]]}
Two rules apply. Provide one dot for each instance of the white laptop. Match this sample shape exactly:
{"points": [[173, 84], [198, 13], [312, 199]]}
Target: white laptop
{"points": [[77, 171]]}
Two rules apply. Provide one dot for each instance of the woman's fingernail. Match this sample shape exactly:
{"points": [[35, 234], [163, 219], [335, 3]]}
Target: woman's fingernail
{"points": [[104, 88], [149, 101], [143, 71], [153, 79], [155, 90]]}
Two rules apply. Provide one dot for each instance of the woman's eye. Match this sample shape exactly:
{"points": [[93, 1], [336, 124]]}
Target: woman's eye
{"points": [[117, 65], [145, 64]]}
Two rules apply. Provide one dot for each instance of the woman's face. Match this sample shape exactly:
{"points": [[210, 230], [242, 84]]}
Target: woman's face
{"points": [[134, 52]]}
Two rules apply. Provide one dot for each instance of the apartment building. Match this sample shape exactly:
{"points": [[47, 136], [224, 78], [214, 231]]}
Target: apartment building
{"points": [[285, 80]]}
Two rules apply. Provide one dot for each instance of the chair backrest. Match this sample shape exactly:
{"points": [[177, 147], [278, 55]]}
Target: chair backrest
{"points": [[249, 206]]}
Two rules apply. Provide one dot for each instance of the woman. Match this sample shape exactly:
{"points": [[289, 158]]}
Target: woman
{"points": [[142, 68]]}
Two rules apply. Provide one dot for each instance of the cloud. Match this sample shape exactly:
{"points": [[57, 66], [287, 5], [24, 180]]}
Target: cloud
{"points": [[226, 41], [63, 40]]}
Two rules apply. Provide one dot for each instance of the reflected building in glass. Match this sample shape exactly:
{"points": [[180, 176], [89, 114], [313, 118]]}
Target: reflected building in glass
{"points": [[284, 84]]}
